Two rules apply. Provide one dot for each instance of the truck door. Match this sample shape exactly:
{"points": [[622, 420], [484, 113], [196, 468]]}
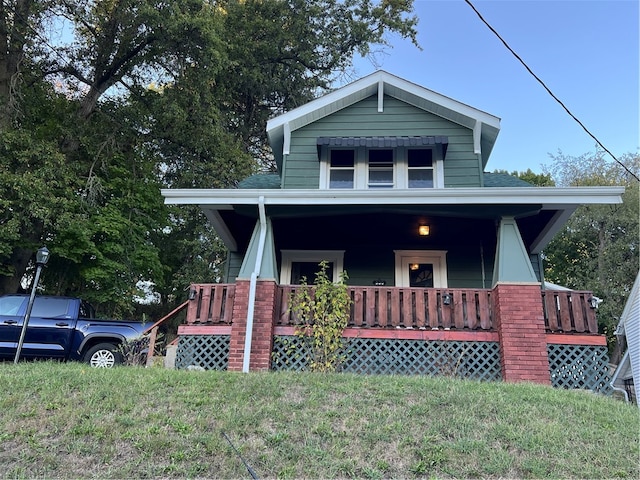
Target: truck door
{"points": [[11, 315], [50, 327]]}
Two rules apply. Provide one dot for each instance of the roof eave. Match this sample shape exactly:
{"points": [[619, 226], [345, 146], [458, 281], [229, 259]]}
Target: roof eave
{"points": [[551, 197]]}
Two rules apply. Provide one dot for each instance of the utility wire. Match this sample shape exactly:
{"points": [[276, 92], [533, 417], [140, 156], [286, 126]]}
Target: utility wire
{"points": [[549, 91]]}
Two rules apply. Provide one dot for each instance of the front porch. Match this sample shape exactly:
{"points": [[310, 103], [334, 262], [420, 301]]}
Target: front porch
{"points": [[510, 332]]}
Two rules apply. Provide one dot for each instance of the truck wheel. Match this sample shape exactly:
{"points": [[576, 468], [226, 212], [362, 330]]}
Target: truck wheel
{"points": [[103, 355]]}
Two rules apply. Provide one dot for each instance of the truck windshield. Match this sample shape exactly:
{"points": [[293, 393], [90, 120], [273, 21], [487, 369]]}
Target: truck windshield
{"points": [[10, 305]]}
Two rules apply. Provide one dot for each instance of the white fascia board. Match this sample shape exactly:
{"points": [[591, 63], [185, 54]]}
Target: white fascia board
{"points": [[549, 197]]}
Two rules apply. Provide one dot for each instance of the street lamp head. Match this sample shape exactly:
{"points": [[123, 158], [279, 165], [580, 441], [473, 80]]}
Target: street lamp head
{"points": [[42, 256]]}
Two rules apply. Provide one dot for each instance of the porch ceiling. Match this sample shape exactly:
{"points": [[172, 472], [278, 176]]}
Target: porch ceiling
{"points": [[313, 227], [540, 211]]}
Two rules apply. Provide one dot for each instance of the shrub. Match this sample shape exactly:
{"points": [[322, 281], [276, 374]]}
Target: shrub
{"points": [[322, 313]]}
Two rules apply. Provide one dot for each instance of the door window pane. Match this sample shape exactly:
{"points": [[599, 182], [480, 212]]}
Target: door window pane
{"points": [[421, 275]]}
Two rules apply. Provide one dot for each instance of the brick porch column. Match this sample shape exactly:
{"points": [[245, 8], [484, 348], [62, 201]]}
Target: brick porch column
{"points": [[263, 322], [520, 323]]}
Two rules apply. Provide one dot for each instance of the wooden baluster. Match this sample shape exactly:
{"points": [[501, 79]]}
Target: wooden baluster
{"points": [[420, 319], [357, 307], [370, 307], [432, 298], [205, 306], [551, 310], [445, 311], [228, 304], [565, 315], [486, 322], [458, 309], [383, 305], [395, 307], [472, 318], [216, 304], [577, 305]]}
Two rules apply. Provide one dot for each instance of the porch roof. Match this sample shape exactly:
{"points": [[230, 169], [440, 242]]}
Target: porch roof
{"points": [[545, 208]]}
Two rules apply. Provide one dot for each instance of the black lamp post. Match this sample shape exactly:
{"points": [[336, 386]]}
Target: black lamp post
{"points": [[42, 256]]}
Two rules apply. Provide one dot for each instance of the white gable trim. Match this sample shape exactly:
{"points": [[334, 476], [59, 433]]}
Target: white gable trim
{"points": [[382, 83], [286, 147], [477, 134]]}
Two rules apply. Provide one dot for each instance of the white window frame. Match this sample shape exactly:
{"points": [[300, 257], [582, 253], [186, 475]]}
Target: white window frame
{"points": [[361, 170], [316, 256], [437, 258]]}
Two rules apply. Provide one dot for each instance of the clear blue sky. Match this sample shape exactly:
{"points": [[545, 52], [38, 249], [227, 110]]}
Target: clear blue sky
{"points": [[586, 51]]}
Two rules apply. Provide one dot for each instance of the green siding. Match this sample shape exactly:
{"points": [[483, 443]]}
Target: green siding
{"points": [[302, 169], [464, 267], [234, 262]]}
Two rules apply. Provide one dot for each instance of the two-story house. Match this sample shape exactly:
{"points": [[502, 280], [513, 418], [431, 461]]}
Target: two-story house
{"points": [[386, 179]]}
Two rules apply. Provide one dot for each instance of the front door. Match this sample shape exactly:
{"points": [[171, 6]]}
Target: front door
{"points": [[421, 268]]}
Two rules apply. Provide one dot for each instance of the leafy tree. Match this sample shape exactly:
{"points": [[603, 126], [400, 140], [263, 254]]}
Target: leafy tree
{"points": [[536, 179], [150, 94], [598, 249]]}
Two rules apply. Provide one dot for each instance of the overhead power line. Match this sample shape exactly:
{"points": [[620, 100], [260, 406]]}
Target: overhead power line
{"points": [[549, 91]]}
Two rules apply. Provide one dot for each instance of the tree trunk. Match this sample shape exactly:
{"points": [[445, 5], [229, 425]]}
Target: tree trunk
{"points": [[14, 31], [19, 259]]}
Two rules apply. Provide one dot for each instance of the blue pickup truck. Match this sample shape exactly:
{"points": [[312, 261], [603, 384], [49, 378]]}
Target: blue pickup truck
{"points": [[63, 328]]}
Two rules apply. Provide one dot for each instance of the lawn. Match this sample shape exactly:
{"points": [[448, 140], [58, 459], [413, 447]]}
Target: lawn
{"points": [[70, 421]]}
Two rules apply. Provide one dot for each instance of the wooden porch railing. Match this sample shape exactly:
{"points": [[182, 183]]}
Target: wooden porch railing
{"points": [[408, 308], [390, 307], [153, 331], [211, 303], [569, 312]]}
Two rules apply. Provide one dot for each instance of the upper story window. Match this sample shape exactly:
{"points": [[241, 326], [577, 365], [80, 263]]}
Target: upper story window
{"points": [[420, 168], [380, 168], [363, 168], [342, 168]]}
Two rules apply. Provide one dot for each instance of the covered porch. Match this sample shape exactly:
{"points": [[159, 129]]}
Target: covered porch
{"points": [[413, 331]]}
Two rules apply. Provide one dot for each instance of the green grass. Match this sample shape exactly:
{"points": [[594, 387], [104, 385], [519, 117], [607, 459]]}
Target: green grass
{"points": [[70, 421]]}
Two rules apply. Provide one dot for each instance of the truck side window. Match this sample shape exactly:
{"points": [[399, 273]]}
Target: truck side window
{"points": [[50, 307], [87, 310], [10, 306]]}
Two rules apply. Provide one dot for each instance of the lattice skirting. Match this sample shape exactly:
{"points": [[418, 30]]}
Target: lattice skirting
{"points": [[210, 352], [477, 360], [579, 366]]}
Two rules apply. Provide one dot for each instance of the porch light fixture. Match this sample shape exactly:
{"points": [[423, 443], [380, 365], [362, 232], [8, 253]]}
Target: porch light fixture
{"points": [[42, 257], [414, 266], [424, 230], [379, 282], [446, 299], [594, 302]]}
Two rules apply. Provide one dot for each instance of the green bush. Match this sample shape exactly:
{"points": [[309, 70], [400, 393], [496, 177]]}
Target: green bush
{"points": [[322, 313]]}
